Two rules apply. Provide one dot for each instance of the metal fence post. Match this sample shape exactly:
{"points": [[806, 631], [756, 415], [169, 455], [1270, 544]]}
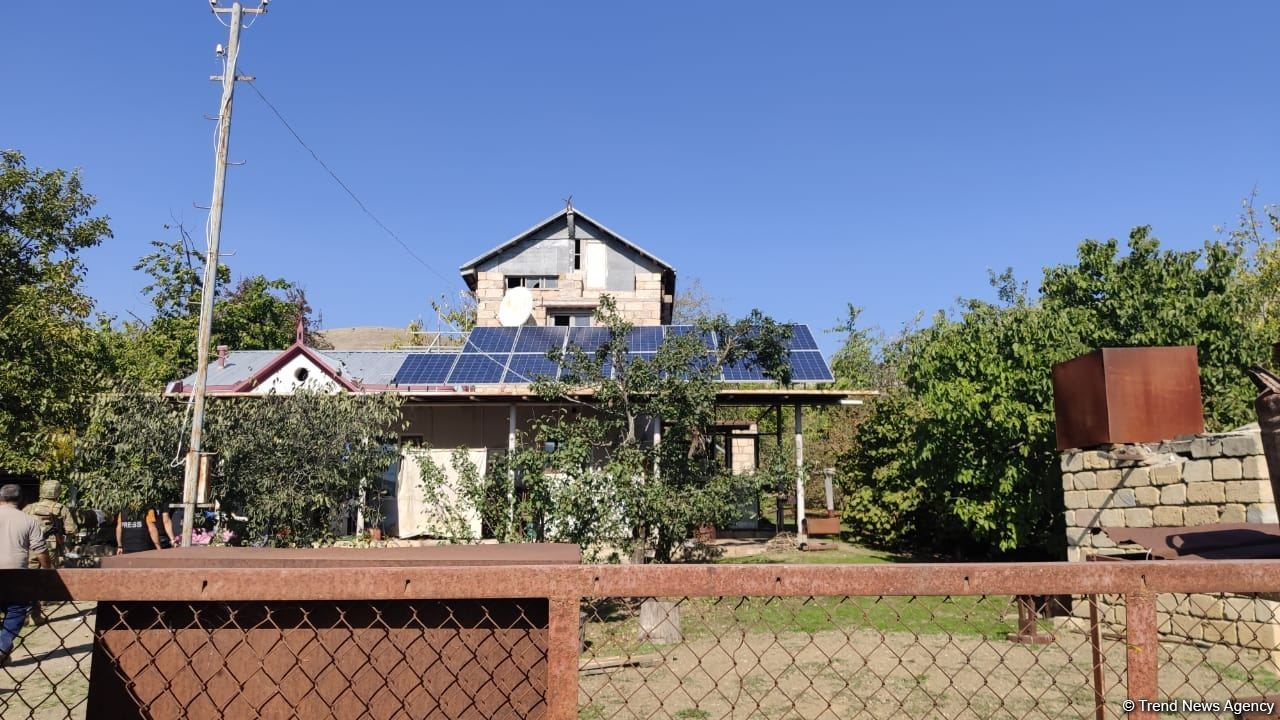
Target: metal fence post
{"points": [[1143, 652], [563, 649]]}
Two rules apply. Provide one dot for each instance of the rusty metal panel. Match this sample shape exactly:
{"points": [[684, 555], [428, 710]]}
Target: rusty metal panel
{"points": [[1127, 395], [331, 557]]}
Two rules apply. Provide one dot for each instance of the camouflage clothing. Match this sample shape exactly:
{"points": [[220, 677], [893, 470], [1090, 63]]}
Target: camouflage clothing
{"points": [[56, 522]]}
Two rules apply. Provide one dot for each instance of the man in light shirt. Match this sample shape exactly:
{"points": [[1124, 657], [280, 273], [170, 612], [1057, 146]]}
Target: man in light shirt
{"points": [[20, 539]]}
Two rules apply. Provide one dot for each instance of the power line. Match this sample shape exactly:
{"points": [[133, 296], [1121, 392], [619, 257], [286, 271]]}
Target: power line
{"points": [[343, 185]]}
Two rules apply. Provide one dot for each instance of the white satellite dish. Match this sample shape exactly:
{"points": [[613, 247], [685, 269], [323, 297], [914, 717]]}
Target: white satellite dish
{"points": [[516, 307]]}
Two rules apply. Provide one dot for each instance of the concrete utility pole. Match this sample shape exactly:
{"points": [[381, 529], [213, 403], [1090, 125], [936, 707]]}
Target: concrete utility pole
{"points": [[192, 478]]}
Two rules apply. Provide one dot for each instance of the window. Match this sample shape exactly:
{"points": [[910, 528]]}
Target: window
{"points": [[543, 282], [575, 318]]}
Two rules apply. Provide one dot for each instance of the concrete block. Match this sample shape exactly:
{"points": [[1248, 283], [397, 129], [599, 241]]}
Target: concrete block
{"points": [[1244, 491], [1206, 606], [1124, 498], [1099, 498], [1232, 513], [1074, 554], [1237, 608], [1269, 636], [1075, 499], [1197, 471], [1108, 479], [1138, 517], [1147, 496], [1112, 517], [1255, 467], [1087, 480], [1261, 513], [1165, 516], [1173, 495], [1068, 482], [1242, 444], [1220, 631], [1087, 518], [1166, 603], [1069, 519], [1077, 536], [1206, 492], [1227, 469], [1072, 461], [1200, 515], [1187, 627], [1135, 477], [1095, 460], [1266, 492], [1266, 611], [1166, 474], [1206, 447], [1101, 540]]}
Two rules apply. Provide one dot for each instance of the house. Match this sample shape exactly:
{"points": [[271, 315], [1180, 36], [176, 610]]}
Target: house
{"points": [[474, 393]]}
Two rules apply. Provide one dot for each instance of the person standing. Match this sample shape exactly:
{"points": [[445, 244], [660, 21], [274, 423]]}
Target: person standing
{"points": [[56, 522], [20, 539], [137, 530]]}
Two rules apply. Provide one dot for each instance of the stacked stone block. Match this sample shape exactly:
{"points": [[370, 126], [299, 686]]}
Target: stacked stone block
{"points": [[641, 306], [1207, 480]]}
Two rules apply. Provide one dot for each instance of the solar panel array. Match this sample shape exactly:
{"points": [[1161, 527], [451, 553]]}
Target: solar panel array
{"points": [[517, 355]]}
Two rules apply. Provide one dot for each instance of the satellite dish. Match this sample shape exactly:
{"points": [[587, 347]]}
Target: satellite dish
{"points": [[516, 307]]}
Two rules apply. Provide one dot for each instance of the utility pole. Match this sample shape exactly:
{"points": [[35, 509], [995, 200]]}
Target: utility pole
{"points": [[193, 465]]}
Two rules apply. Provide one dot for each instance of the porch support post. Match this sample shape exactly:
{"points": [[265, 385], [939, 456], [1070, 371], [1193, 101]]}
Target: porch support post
{"points": [[511, 470], [801, 535]]}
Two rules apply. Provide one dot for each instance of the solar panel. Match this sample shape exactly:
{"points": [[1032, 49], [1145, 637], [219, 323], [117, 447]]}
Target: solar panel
{"points": [[529, 367], [478, 369], [492, 340], [808, 366], [646, 338], [424, 369], [540, 339], [743, 371], [588, 339], [801, 339], [708, 337]]}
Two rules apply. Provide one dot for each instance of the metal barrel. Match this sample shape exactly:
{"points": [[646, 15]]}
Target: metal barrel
{"points": [[1267, 407]]}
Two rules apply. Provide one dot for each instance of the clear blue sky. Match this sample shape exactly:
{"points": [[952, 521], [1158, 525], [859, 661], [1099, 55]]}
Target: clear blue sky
{"points": [[794, 157]]}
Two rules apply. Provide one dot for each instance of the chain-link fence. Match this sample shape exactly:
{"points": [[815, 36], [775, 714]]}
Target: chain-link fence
{"points": [[951, 641]]}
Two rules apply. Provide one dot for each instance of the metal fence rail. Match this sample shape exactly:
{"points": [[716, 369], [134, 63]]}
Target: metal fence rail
{"points": [[685, 641]]}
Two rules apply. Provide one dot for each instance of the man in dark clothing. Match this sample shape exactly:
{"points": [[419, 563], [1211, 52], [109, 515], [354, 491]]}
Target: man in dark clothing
{"points": [[137, 530], [20, 539]]}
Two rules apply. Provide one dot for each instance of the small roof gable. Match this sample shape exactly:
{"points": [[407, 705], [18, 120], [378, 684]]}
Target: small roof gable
{"points": [[468, 269]]}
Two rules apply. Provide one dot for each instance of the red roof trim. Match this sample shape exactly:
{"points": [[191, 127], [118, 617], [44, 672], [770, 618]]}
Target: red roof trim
{"points": [[282, 359]]}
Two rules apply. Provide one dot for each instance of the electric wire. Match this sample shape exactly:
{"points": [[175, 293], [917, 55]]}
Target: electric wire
{"points": [[506, 365]]}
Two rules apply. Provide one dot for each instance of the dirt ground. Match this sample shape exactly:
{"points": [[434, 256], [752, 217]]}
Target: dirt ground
{"points": [[48, 674]]}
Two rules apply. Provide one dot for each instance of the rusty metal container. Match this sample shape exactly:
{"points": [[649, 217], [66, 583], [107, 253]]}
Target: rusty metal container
{"points": [[1267, 406], [1127, 395]]}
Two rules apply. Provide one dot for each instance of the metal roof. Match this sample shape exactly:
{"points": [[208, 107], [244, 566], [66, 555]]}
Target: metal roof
{"points": [[470, 267]]}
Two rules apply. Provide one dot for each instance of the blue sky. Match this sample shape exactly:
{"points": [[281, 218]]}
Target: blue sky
{"points": [[794, 157]]}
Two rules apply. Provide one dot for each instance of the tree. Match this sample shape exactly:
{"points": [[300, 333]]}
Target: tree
{"points": [[693, 304], [589, 473], [292, 464], [47, 363], [960, 456], [254, 313]]}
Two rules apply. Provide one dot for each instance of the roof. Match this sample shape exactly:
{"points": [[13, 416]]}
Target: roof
{"points": [[496, 364], [469, 267]]}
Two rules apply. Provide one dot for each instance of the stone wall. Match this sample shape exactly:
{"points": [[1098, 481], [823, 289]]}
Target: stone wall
{"points": [[1207, 480], [641, 306], [1211, 479]]}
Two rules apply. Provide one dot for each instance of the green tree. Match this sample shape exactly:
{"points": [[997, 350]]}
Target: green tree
{"points": [[960, 456], [47, 352], [291, 464], [254, 313], [589, 473]]}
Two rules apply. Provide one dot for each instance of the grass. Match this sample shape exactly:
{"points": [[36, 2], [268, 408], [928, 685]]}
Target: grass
{"points": [[1260, 678], [842, 555]]}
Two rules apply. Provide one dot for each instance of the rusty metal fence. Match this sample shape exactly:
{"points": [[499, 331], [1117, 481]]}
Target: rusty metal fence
{"points": [[693, 641]]}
